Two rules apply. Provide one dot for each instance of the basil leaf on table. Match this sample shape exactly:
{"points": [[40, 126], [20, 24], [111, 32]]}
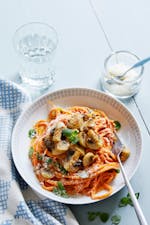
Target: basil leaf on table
{"points": [[115, 219]]}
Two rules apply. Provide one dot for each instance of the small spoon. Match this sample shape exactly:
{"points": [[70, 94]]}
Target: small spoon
{"points": [[139, 63]]}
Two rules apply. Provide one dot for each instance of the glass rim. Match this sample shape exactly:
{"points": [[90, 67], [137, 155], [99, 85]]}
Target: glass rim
{"points": [[35, 23], [126, 52]]}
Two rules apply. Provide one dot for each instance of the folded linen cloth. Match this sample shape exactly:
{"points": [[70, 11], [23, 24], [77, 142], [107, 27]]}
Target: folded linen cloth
{"points": [[19, 205]]}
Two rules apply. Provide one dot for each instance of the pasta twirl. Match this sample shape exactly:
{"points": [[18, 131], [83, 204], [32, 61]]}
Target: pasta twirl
{"points": [[71, 152]]}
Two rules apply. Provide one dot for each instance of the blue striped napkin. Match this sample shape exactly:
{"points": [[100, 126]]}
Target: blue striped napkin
{"points": [[19, 205]]}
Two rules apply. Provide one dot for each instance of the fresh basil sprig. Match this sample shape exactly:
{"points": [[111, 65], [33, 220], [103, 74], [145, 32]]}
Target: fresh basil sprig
{"points": [[72, 135], [117, 125], [60, 168], [92, 216], [127, 200], [49, 161], [102, 215], [60, 190], [39, 156], [115, 219], [31, 133], [30, 153]]}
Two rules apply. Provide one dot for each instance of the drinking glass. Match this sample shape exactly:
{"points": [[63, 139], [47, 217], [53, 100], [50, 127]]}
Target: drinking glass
{"points": [[117, 64], [35, 44]]}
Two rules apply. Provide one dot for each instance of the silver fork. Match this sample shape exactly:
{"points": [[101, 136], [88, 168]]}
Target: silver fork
{"points": [[117, 149]]}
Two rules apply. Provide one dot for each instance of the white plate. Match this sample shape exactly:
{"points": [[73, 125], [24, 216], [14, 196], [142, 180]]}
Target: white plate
{"points": [[129, 133]]}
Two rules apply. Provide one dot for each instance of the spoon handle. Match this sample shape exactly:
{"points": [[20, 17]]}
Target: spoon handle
{"points": [[141, 62], [138, 210]]}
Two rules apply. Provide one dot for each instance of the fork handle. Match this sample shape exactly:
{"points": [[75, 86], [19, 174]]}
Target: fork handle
{"points": [[137, 207]]}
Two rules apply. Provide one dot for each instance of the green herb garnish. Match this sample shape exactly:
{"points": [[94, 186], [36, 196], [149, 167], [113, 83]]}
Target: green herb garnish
{"points": [[49, 161], [117, 170], [39, 157], [123, 202], [31, 133], [60, 190], [92, 215], [127, 200], [117, 125], [30, 153], [115, 219], [72, 135], [61, 168], [67, 132], [102, 215], [130, 200]]}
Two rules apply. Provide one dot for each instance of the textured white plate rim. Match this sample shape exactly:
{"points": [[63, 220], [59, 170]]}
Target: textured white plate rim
{"points": [[14, 135]]}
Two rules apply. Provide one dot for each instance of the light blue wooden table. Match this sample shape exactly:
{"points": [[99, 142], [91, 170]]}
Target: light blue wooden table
{"points": [[79, 63]]}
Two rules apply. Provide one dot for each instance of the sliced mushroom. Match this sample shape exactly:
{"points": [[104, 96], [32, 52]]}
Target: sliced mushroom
{"points": [[124, 154], [82, 138], [57, 135], [78, 163], [67, 166], [74, 162], [75, 121], [93, 140], [48, 142], [90, 123], [60, 147], [86, 116], [58, 131], [88, 159], [70, 153], [46, 173], [79, 149]]}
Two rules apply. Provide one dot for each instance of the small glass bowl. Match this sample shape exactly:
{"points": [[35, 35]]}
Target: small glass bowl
{"points": [[116, 64]]}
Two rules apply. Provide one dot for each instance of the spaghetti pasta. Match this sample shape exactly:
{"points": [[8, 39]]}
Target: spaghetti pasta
{"points": [[71, 149]]}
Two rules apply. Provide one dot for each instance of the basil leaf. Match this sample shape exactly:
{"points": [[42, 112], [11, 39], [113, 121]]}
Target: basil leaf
{"points": [[124, 201], [92, 216], [117, 170], [127, 200], [49, 161], [30, 153], [72, 135], [60, 168], [31, 133], [39, 157], [115, 219], [130, 200], [63, 170], [60, 185], [137, 195], [67, 132], [117, 125], [104, 217], [60, 190], [74, 139]]}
